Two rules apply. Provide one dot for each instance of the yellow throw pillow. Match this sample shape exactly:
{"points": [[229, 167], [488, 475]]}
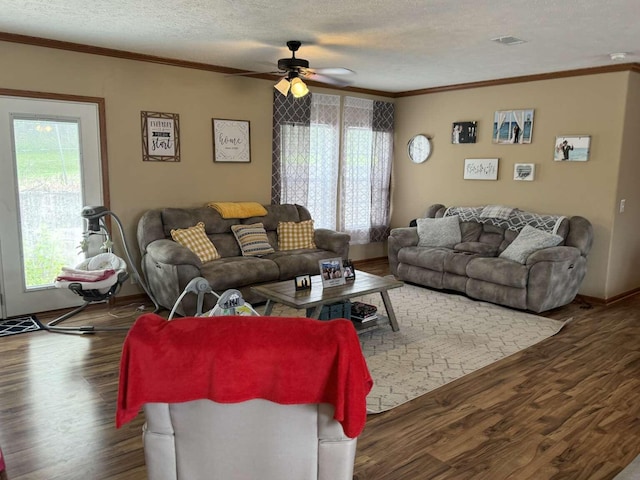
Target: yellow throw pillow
{"points": [[238, 209], [294, 235], [196, 240], [252, 239]]}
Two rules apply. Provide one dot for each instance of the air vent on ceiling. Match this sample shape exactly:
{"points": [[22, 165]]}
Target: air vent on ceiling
{"points": [[508, 40]]}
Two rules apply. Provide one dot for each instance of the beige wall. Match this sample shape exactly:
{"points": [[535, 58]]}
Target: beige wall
{"points": [[588, 105], [129, 87], [624, 265]]}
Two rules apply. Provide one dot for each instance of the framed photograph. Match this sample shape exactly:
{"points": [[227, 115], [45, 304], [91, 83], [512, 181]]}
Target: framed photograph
{"points": [[512, 126], [349, 271], [160, 137], [481, 169], [303, 282], [231, 140], [331, 272], [572, 148], [524, 171], [464, 132]]}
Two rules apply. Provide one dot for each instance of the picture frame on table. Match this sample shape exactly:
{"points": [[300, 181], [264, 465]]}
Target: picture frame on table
{"points": [[349, 271], [303, 282], [331, 272]]}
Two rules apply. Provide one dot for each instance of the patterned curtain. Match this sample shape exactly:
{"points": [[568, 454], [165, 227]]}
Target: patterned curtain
{"points": [[367, 152], [349, 193]]}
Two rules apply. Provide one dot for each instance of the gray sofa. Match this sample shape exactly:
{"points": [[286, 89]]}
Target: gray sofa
{"points": [[477, 265], [168, 266]]}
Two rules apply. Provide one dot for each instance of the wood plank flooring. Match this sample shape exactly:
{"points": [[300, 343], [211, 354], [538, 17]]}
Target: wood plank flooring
{"points": [[567, 408]]}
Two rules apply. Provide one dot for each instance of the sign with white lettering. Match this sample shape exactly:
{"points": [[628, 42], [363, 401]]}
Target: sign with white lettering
{"points": [[231, 141], [160, 137]]}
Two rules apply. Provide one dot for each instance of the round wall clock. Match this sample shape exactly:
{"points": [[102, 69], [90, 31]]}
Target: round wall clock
{"points": [[419, 148]]}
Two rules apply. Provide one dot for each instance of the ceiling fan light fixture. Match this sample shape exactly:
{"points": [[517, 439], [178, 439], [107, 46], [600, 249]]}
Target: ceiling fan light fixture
{"points": [[283, 86], [298, 88]]}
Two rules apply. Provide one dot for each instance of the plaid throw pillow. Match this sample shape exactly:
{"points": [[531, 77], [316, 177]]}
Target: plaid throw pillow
{"points": [[252, 239], [294, 235], [196, 240], [496, 211]]}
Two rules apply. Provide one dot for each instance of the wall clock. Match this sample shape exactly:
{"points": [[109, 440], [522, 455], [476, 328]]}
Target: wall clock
{"points": [[419, 148]]}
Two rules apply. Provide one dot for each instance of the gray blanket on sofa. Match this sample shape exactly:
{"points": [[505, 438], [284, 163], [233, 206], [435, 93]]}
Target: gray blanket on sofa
{"points": [[511, 219]]}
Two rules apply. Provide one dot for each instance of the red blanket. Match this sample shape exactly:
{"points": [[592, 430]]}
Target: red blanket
{"points": [[233, 359]]}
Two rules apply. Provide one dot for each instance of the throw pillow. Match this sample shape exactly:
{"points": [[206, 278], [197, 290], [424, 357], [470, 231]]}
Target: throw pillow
{"points": [[196, 240], [252, 239], [528, 241], [439, 232], [294, 235]]}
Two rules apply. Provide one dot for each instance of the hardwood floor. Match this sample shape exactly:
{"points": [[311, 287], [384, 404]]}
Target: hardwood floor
{"points": [[567, 408]]}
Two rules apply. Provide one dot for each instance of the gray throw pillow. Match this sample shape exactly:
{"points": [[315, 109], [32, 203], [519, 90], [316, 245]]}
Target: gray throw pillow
{"points": [[528, 241], [439, 232]]}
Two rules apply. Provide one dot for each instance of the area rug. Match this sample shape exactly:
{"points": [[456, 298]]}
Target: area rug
{"points": [[631, 472], [22, 324], [442, 337]]}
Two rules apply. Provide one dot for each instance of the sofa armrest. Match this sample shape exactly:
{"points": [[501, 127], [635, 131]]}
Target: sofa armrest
{"points": [[404, 236], [554, 254], [333, 241], [400, 238], [172, 253]]}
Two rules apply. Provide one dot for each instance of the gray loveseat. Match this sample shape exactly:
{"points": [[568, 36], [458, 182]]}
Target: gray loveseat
{"points": [[477, 265], [168, 266]]}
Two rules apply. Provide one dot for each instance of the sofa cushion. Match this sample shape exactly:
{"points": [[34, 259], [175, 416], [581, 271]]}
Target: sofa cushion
{"points": [[499, 271], [196, 240], [236, 272], [252, 239], [299, 262], [480, 248], [528, 241], [431, 258], [439, 232], [295, 235]]}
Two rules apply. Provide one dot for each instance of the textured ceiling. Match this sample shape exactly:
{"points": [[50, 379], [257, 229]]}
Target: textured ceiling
{"points": [[392, 45]]}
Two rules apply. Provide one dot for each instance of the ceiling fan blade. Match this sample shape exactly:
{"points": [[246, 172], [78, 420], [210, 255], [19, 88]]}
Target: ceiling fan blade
{"points": [[250, 74], [333, 71], [318, 77]]}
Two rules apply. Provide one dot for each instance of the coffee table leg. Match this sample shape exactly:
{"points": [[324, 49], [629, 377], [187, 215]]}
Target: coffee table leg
{"points": [[316, 312], [268, 308], [390, 313]]}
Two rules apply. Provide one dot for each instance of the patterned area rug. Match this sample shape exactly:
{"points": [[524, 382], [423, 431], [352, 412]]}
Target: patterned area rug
{"points": [[23, 324], [442, 337]]}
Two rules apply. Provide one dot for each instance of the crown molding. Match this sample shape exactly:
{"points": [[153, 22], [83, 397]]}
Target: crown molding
{"points": [[141, 57]]}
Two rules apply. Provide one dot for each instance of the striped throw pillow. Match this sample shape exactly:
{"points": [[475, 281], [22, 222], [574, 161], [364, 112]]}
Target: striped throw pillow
{"points": [[252, 239], [196, 240], [294, 235]]}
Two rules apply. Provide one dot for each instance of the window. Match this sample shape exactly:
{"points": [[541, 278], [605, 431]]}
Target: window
{"points": [[344, 189]]}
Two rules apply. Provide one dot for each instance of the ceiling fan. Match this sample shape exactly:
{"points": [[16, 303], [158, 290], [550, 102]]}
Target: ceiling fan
{"points": [[295, 69]]}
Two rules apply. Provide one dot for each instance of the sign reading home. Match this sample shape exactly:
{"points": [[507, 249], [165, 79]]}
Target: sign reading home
{"points": [[231, 141]]}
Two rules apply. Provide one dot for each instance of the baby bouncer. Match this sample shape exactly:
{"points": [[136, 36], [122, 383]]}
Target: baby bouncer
{"points": [[98, 278], [229, 303]]}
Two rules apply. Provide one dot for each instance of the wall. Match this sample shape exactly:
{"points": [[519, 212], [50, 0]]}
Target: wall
{"points": [[625, 245], [129, 87], [563, 106]]}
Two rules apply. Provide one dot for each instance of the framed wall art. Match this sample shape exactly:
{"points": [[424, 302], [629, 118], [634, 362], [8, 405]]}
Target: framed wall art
{"points": [[512, 126], [481, 169], [231, 140], [524, 171], [464, 132], [160, 137], [572, 148]]}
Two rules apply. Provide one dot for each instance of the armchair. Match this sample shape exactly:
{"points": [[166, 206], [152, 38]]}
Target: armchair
{"points": [[245, 397]]}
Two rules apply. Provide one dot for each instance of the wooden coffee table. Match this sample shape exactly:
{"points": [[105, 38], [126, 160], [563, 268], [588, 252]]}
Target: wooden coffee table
{"points": [[317, 297]]}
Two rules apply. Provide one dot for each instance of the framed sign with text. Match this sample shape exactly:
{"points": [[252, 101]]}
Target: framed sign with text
{"points": [[160, 137], [231, 141]]}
